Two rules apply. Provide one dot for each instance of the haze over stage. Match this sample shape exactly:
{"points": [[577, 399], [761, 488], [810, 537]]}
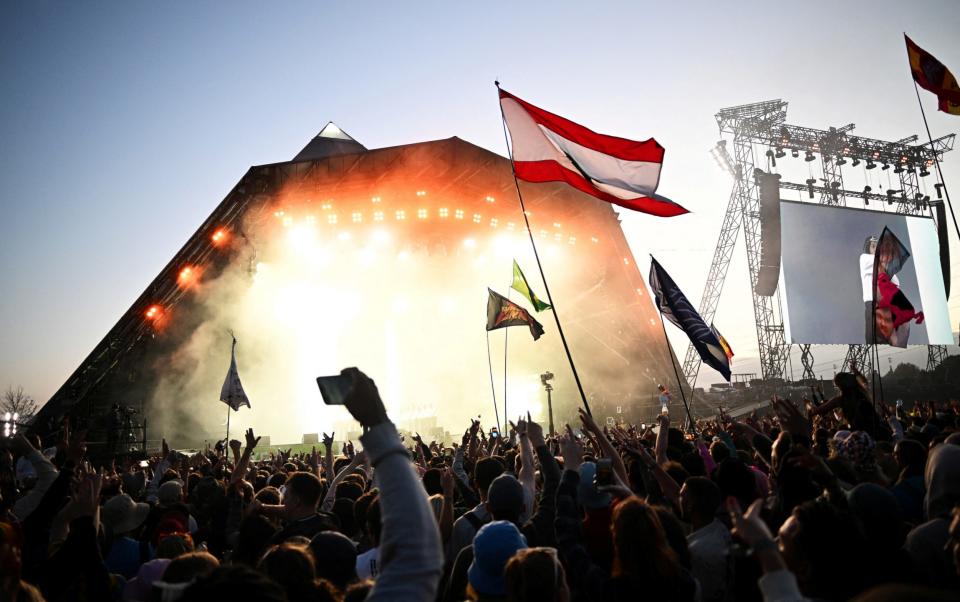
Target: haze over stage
{"points": [[379, 259]]}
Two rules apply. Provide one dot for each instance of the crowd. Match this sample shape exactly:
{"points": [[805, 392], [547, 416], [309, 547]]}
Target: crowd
{"points": [[818, 499]]}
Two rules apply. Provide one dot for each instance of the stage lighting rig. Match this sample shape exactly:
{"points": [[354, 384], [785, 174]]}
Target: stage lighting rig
{"points": [[794, 153], [809, 157], [871, 164], [772, 157], [856, 162], [885, 167], [923, 172], [810, 183], [780, 154]]}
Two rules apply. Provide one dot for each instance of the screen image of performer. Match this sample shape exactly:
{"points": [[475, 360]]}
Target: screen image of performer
{"points": [[893, 311]]}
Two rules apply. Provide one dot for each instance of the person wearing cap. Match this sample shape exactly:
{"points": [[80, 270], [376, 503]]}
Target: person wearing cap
{"points": [[122, 518], [494, 545], [505, 502]]}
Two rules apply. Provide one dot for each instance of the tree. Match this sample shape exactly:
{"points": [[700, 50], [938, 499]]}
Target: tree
{"points": [[15, 401]]}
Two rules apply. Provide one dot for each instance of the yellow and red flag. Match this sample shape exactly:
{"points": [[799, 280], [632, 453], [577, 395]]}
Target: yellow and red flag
{"points": [[933, 76]]}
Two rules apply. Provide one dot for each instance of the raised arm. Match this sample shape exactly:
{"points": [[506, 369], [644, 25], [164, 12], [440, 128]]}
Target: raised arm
{"points": [[605, 446], [411, 557]]}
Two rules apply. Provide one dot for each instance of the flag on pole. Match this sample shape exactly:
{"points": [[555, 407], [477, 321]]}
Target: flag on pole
{"points": [[933, 76], [892, 311], [727, 349], [521, 286], [231, 393], [549, 148], [501, 313], [675, 307]]}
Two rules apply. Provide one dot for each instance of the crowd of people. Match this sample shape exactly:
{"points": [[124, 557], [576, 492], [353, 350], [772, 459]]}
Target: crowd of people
{"points": [[817, 499]]}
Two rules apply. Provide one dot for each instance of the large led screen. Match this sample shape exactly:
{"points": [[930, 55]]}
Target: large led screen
{"points": [[827, 277]]}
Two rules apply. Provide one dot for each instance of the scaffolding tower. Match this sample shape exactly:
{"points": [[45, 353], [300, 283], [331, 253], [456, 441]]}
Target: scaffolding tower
{"points": [[761, 127]]}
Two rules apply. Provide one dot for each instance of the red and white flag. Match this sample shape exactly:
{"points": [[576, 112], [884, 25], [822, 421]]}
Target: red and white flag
{"points": [[549, 148]]}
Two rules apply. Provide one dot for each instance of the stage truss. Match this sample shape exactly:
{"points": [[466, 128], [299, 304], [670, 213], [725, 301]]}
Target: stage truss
{"points": [[762, 128]]}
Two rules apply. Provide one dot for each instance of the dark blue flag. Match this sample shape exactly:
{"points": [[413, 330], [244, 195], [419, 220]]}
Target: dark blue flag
{"points": [[675, 307]]}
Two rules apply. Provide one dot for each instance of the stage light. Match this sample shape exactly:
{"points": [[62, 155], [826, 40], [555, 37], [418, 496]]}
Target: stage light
{"points": [[810, 183], [810, 157], [476, 218], [401, 215], [375, 199], [378, 216], [856, 162], [885, 167], [779, 154], [626, 261], [421, 193], [278, 213], [469, 243], [219, 237], [923, 172], [556, 224], [490, 199], [357, 217], [443, 212], [770, 156], [186, 277], [867, 189], [640, 291], [870, 164], [458, 214], [332, 219], [841, 161], [794, 153], [494, 222], [422, 213], [898, 169], [594, 239], [326, 206], [153, 312]]}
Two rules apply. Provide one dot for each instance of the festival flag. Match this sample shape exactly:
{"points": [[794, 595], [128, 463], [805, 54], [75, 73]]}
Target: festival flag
{"points": [[549, 148], [727, 349], [231, 393], [675, 307], [501, 313], [933, 76], [892, 311], [521, 286]]}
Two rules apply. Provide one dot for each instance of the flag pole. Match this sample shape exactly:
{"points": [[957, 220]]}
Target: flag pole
{"points": [[493, 391], [228, 423], [506, 335], [936, 161], [683, 395], [536, 255]]}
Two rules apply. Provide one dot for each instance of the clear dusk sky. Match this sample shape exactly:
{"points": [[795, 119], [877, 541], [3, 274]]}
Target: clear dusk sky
{"points": [[123, 124]]}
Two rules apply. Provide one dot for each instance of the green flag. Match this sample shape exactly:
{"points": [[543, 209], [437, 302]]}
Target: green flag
{"points": [[520, 285]]}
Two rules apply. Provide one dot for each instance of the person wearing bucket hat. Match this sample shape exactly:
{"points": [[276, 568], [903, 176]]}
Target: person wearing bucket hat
{"points": [[122, 517], [494, 545]]}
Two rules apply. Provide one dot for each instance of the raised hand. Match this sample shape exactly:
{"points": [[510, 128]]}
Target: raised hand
{"points": [[534, 432], [363, 400], [235, 446], [749, 527], [571, 451], [790, 418], [252, 441], [328, 439], [446, 483]]}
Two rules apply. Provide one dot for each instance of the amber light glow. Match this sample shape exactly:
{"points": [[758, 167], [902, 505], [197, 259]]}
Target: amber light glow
{"points": [[188, 276], [219, 237], [154, 312]]}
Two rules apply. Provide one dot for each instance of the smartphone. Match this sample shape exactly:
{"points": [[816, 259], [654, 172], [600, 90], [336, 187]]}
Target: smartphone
{"points": [[494, 433], [334, 389], [604, 474], [144, 464]]}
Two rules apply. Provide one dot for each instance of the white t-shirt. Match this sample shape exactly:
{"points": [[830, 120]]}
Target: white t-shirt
{"points": [[367, 567], [866, 276]]}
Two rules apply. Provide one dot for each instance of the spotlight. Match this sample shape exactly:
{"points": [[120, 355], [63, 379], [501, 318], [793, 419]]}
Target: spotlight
{"points": [[923, 172], [219, 237], [885, 167], [810, 183], [153, 312], [780, 154], [809, 157], [794, 153], [898, 169], [856, 162], [870, 164], [772, 158], [866, 191], [841, 161], [186, 276]]}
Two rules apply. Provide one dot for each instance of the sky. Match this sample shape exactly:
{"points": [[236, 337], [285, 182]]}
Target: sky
{"points": [[125, 124]]}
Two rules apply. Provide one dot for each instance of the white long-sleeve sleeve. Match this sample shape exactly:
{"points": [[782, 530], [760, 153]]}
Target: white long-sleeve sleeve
{"points": [[411, 557], [46, 474]]}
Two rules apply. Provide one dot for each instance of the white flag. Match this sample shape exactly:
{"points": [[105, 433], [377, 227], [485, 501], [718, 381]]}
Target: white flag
{"points": [[232, 392]]}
